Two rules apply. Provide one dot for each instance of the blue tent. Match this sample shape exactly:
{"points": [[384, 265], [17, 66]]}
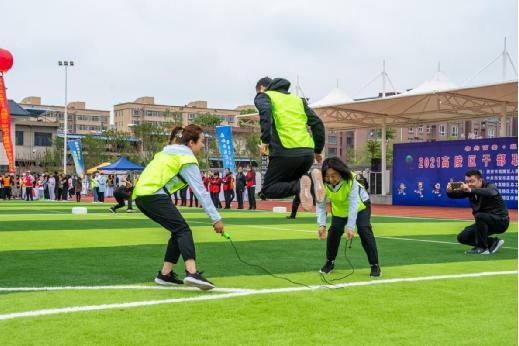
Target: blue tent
{"points": [[122, 165]]}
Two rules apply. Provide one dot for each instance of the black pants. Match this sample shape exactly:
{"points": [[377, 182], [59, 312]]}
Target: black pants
{"points": [[478, 233], [251, 191], [175, 194], [191, 196], [28, 194], [46, 194], [215, 197], [183, 197], [364, 230], [120, 197], [296, 202], [2, 193], [239, 197], [228, 194], [78, 196], [161, 209], [7, 192], [283, 174], [64, 193]]}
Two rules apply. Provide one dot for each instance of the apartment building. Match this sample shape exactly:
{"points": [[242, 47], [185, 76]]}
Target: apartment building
{"points": [[144, 110], [81, 120]]}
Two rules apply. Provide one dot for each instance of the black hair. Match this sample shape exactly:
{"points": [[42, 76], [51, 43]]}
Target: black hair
{"points": [[265, 81], [472, 172], [336, 164]]}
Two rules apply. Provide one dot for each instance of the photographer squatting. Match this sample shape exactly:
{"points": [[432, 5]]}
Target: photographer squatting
{"points": [[490, 214]]}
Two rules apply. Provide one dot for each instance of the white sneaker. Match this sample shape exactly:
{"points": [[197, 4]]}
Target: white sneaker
{"points": [[305, 194], [317, 179]]}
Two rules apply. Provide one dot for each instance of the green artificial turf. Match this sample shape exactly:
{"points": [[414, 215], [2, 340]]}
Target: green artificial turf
{"points": [[42, 244]]}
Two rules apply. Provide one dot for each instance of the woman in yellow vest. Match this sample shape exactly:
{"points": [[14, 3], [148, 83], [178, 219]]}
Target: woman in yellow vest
{"points": [[172, 169], [350, 206]]}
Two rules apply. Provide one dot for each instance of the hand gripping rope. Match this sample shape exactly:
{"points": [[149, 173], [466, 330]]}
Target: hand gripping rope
{"points": [[323, 279]]}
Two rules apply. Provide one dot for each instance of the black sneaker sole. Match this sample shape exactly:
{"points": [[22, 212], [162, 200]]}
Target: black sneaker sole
{"points": [[500, 243], [165, 283], [203, 285]]}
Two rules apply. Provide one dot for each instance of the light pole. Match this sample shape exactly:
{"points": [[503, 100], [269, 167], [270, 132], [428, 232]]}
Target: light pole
{"points": [[66, 64]]}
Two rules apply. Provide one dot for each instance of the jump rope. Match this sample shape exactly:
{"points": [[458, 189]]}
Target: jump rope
{"points": [[323, 279]]}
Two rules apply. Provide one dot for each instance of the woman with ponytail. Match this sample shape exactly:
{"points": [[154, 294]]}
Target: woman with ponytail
{"points": [[172, 169]]}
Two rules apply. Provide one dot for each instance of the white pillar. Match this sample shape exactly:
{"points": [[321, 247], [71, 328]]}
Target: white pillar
{"points": [[383, 152], [65, 127], [502, 127]]}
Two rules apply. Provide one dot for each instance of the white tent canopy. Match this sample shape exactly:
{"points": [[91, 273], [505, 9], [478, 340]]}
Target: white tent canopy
{"points": [[439, 82], [409, 108], [335, 96]]}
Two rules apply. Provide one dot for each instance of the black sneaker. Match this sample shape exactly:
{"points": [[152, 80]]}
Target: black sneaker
{"points": [[112, 210], [477, 251], [327, 267], [197, 280], [170, 279], [375, 271], [496, 245]]}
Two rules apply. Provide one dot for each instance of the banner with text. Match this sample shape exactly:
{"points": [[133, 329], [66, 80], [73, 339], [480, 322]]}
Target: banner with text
{"points": [[5, 126], [421, 171], [77, 155], [224, 135]]}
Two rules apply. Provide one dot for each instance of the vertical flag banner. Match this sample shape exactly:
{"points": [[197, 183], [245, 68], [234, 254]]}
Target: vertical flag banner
{"points": [[421, 171], [77, 155], [224, 135], [5, 125]]}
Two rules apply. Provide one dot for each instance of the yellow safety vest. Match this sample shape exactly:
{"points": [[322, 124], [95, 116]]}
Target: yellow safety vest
{"points": [[340, 200], [290, 120], [163, 172]]}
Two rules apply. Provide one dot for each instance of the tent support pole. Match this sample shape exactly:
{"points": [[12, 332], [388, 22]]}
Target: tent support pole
{"points": [[383, 147]]}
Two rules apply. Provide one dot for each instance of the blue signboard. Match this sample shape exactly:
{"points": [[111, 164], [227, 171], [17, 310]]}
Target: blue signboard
{"points": [[224, 135], [77, 155], [421, 171]]}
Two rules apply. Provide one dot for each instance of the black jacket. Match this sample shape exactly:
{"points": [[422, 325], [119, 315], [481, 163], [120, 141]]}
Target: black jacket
{"points": [[269, 134], [487, 199], [240, 181]]}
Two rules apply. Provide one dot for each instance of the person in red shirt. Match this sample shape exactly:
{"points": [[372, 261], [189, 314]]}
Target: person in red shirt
{"points": [[215, 183], [228, 188], [251, 187]]}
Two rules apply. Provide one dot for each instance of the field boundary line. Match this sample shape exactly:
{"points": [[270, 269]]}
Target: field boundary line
{"points": [[116, 287], [204, 297]]}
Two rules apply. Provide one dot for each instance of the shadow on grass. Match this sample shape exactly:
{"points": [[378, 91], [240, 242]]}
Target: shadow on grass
{"points": [[130, 264], [120, 222]]}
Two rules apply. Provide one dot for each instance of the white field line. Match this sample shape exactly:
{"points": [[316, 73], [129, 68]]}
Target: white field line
{"points": [[383, 237], [116, 287], [72, 309]]}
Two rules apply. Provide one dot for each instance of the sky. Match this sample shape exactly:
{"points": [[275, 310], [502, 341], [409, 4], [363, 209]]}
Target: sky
{"points": [[181, 51]]}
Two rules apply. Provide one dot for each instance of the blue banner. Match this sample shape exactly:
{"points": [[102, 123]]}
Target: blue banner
{"points": [[224, 135], [421, 171], [77, 155]]}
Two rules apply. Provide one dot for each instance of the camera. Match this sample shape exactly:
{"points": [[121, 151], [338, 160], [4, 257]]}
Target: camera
{"points": [[456, 186]]}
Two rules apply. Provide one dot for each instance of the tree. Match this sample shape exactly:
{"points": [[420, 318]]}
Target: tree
{"points": [[374, 151], [208, 122], [251, 145], [390, 133], [94, 151]]}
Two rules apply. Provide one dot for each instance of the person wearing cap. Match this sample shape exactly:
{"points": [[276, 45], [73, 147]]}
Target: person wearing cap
{"points": [[284, 122]]}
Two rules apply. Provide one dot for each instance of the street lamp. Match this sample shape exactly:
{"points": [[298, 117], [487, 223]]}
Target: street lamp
{"points": [[66, 64]]}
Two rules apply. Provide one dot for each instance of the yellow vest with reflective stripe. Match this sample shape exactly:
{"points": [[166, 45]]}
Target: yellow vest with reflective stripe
{"points": [[162, 172], [340, 200], [290, 120]]}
